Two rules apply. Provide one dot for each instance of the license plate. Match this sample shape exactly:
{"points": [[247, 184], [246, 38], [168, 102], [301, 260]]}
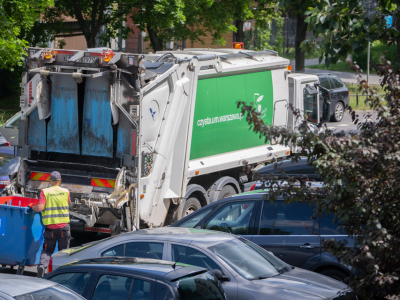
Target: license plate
{"points": [[86, 59]]}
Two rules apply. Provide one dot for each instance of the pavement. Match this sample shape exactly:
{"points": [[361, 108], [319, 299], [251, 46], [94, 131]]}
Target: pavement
{"points": [[347, 125], [346, 77]]}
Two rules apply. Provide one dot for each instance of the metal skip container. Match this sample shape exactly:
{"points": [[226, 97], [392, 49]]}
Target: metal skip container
{"points": [[21, 232]]}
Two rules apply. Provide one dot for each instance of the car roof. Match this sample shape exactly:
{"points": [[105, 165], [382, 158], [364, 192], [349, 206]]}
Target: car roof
{"points": [[176, 234], [144, 266], [14, 285], [270, 169]]}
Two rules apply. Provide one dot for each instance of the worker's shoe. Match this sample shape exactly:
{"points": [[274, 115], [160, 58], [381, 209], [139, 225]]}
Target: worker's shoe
{"points": [[40, 272]]}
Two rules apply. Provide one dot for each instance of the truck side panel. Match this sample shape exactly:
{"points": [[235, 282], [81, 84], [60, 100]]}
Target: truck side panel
{"points": [[218, 126], [97, 134], [63, 128]]}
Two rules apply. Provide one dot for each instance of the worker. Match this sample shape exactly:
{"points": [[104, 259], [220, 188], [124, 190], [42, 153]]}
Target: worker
{"points": [[54, 205]]}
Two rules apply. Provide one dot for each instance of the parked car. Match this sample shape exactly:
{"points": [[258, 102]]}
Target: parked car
{"points": [[337, 93], [121, 278], [246, 271], [301, 170], [9, 165], [288, 231], [17, 287], [3, 141], [10, 129]]}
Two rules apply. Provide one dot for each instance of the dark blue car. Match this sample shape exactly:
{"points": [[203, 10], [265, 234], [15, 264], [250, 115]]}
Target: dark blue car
{"points": [[287, 230]]}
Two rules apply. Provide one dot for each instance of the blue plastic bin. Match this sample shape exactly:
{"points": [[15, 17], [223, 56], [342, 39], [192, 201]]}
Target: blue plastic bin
{"points": [[21, 232]]}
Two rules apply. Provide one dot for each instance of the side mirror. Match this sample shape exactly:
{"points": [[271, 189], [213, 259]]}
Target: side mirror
{"points": [[218, 274], [311, 90]]}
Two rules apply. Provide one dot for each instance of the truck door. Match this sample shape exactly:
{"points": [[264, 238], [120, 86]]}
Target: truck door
{"points": [[310, 102], [280, 113]]}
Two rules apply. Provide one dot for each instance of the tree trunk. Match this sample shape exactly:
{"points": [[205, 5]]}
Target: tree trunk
{"points": [[156, 43], [239, 36], [301, 34], [91, 40]]}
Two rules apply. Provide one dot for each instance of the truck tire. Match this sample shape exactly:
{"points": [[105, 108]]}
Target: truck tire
{"points": [[335, 274], [226, 191], [83, 235], [191, 205]]}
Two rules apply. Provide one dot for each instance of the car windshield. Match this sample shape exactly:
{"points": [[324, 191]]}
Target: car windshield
{"points": [[249, 260], [199, 287], [56, 292]]}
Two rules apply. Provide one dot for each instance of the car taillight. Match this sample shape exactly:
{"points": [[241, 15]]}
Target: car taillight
{"points": [[4, 183], [253, 187], [7, 144], [50, 267]]}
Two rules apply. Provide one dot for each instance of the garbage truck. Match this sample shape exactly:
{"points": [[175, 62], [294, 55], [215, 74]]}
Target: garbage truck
{"points": [[144, 140]]}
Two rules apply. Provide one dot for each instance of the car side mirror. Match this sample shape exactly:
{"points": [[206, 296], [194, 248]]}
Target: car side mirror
{"points": [[218, 274]]}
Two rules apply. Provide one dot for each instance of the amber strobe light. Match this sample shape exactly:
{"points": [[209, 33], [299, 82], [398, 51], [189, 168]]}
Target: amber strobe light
{"points": [[289, 68], [107, 55]]}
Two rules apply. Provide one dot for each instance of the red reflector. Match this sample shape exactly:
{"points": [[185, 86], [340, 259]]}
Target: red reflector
{"points": [[3, 183], [7, 144], [134, 143], [97, 229], [50, 267], [348, 93], [253, 187]]}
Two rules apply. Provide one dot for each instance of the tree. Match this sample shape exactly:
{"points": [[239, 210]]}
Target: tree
{"points": [[360, 174], [188, 19], [91, 15], [299, 8], [16, 17], [344, 27]]}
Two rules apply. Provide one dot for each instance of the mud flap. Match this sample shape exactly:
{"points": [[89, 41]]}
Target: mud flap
{"points": [[63, 128], [97, 135]]}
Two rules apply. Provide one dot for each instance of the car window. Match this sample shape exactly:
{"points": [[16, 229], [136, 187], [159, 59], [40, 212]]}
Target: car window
{"points": [[336, 82], [191, 256], [193, 221], [14, 121], [324, 82], [114, 251], [328, 226], [74, 281], [287, 219], [233, 217], [113, 287], [144, 250]]}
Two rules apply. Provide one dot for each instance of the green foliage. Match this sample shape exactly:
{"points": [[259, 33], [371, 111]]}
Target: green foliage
{"points": [[360, 174], [376, 55], [344, 27], [188, 19], [17, 17], [258, 38]]}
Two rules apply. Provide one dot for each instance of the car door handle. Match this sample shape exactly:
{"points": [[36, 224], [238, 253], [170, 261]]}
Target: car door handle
{"points": [[307, 246]]}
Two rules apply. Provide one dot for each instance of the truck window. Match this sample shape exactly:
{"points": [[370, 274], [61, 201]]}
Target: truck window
{"points": [[310, 106]]}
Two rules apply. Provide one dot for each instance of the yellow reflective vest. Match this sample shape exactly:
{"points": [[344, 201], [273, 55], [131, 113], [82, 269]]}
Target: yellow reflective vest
{"points": [[56, 210]]}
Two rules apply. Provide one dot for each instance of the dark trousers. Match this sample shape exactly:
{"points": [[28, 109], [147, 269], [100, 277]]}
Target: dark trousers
{"points": [[51, 237]]}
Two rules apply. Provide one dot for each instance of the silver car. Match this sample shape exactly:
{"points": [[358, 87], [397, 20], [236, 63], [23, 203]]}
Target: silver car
{"points": [[245, 270], [18, 287]]}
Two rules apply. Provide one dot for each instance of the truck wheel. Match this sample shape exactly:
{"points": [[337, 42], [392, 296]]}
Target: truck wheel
{"points": [[83, 235], [191, 205], [335, 274], [338, 112], [226, 191]]}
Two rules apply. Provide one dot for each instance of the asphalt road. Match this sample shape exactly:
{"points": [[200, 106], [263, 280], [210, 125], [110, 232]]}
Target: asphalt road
{"points": [[347, 125]]}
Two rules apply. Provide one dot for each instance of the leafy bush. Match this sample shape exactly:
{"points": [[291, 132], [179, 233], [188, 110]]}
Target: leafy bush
{"points": [[361, 188], [376, 54]]}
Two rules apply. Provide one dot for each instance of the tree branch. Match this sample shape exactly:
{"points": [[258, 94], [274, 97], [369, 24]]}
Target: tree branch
{"points": [[81, 21]]}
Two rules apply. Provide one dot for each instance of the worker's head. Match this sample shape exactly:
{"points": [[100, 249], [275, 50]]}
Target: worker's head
{"points": [[55, 178]]}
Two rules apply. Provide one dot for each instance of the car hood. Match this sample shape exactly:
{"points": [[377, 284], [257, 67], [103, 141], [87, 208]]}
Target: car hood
{"points": [[307, 282]]}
